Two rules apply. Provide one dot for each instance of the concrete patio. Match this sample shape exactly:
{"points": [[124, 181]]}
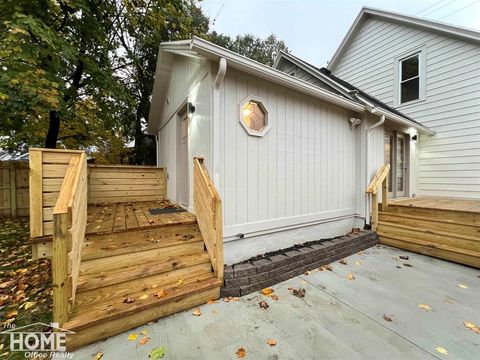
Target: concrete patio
{"points": [[337, 319]]}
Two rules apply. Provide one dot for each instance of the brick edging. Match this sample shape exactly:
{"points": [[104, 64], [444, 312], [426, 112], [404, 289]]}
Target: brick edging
{"points": [[255, 274]]}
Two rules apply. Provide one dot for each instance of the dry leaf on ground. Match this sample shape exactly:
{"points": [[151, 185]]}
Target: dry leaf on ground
{"points": [[463, 286], [271, 342], [129, 300], [180, 282], [197, 312], [300, 293], [472, 326], [210, 302], [241, 353], [357, 262], [274, 297], [424, 307], [160, 294], [144, 340], [29, 304], [263, 305], [350, 276], [387, 318], [132, 337], [11, 313], [442, 350], [343, 262], [98, 356], [143, 297], [266, 291], [231, 299], [144, 332]]}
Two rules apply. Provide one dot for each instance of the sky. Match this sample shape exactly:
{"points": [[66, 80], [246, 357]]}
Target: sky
{"points": [[313, 29]]}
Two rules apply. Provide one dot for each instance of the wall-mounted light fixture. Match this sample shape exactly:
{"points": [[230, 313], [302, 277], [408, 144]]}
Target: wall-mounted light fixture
{"points": [[354, 122], [414, 137], [191, 108]]}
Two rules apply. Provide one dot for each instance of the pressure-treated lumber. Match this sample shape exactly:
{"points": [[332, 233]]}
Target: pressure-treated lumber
{"points": [[380, 178]]}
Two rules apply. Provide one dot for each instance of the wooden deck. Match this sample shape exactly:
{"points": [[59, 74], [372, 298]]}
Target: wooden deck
{"points": [[108, 218], [440, 203]]}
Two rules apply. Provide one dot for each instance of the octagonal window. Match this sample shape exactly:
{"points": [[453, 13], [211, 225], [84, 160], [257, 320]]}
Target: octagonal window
{"points": [[254, 116]]}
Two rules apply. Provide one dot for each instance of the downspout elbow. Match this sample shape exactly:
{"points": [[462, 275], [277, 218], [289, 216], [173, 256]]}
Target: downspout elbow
{"points": [[222, 70]]}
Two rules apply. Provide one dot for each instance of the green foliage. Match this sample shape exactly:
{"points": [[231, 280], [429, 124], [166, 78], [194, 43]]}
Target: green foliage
{"points": [[262, 50]]}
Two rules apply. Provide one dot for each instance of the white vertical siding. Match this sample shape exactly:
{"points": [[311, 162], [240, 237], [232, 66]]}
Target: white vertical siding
{"points": [[449, 162], [190, 79], [302, 170]]}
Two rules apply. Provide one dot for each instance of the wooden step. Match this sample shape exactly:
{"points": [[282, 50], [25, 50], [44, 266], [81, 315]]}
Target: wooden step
{"points": [[158, 255], [431, 223], [107, 245], [116, 316], [153, 283], [433, 236], [461, 256], [95, 280], [461, 217]]}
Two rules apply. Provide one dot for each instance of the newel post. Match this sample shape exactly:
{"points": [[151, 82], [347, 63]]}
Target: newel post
{"points": [[60, 268]]}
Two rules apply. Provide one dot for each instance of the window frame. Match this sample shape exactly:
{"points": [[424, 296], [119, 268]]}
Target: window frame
{"points": [[421, 53], [263, 106]]}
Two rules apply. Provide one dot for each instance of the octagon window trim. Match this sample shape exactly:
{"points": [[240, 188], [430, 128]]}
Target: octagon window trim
{"points": [[261, 102]]}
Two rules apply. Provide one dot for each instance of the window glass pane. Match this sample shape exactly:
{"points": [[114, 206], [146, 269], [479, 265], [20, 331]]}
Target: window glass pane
{"points": [[253, 116], [409, 90], [410, 67]]}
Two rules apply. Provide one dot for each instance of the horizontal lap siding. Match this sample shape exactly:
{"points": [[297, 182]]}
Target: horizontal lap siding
{"points": [[449, 162], [115, 184], [304, 165]]}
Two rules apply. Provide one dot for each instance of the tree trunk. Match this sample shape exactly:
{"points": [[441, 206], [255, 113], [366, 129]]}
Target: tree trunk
{"points": [[141, 113], [53, 130]]}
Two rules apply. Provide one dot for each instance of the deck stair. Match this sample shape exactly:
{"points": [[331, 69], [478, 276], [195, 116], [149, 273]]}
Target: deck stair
{"points": [[448, 234], [130, 278]]}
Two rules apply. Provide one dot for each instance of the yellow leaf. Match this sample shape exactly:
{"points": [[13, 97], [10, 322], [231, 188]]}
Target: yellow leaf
{"points": [[442, 350], [143, 332], [271, 342], [143, 297], [180, 282], [424, 307], [469, 324], [357, 262], [160, 294], [197, 312], [266, 291], [132, 337], [350, 276], [11, 314], [210, 302], [29, 304], [98, 356], [462, 286]]}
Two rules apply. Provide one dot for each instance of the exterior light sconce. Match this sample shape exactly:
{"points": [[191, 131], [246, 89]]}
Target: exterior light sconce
{"points": [[191, 109], [354, 122], [414, 137]]}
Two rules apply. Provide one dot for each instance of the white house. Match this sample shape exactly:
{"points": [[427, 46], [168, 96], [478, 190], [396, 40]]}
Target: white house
{"points": [[290, 158], [430, 71]]}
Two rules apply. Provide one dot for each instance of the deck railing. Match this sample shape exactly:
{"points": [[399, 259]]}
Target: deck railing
{"points": [[208, 210], [69, 223], [380, 178]]}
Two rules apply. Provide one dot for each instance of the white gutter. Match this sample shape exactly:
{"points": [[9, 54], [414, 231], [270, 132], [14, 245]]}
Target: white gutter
{"points": [[222, 70], [367, 162]]}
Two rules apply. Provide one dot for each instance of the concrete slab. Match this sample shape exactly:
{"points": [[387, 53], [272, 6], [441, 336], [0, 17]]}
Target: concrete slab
{"points": [[337, 319]]}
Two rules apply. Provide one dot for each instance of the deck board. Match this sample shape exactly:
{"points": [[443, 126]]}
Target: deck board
{"points": [[111, 218], [440, 203]]}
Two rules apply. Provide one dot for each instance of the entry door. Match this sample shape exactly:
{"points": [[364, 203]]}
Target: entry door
{"points": [[182, 163], [396, 156]]}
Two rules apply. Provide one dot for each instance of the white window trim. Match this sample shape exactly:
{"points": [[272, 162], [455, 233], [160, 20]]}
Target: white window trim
{"points": [[421, 52], [263, 104]]}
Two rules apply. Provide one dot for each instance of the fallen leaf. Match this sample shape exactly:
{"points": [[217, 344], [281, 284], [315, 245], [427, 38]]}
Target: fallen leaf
{"points": [[241, 353], [197, 312], [144, 340], [463, 286], [271, 342], [407, 265], [357, 262], [160, 294], [98, 356], [231, 299], [472, 326], [403, 257], [266, 291], [157, 353], [143, 297], [350, 276], [300, 293], [343, 262], [11, 313], [290, 288], [180, 282], [29, 304], [306, 273], [442, 350], [132, 337], [210, 302], [274, 297], [424, 307], [263, 305], [129, 300], [144, 332], [387, 318]]}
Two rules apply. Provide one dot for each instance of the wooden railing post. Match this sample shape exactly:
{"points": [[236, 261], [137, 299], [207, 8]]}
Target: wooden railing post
{"points": [[60, 268], [374, 211], [13, 189], [381, 177], [385, 194]]}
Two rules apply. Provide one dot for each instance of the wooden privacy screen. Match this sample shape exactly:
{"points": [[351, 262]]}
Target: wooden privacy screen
{"points": [[47, 171], [117, 183], [14, 188], [208, 210]]}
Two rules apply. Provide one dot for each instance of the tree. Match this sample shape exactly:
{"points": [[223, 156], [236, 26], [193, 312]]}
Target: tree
{"points": [[262, 50]]}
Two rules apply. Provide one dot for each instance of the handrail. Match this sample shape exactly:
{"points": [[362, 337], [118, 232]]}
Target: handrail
{"points": [[381, 177], [208, 209], [69, 223]]}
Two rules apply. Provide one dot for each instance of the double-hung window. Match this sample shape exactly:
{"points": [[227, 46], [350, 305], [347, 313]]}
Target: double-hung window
{"points": [[410, 84]]}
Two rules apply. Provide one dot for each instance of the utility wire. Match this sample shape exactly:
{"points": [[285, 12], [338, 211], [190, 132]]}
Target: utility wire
{"points": [[441, 7], [456, 11], [431, 6]]}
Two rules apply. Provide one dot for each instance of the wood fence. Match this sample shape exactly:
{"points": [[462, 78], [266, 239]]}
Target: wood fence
{"points": [[14, 188]]}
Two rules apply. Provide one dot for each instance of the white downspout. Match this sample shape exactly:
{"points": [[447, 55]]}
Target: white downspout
{"points": [[367, 162], [222, 70]]}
